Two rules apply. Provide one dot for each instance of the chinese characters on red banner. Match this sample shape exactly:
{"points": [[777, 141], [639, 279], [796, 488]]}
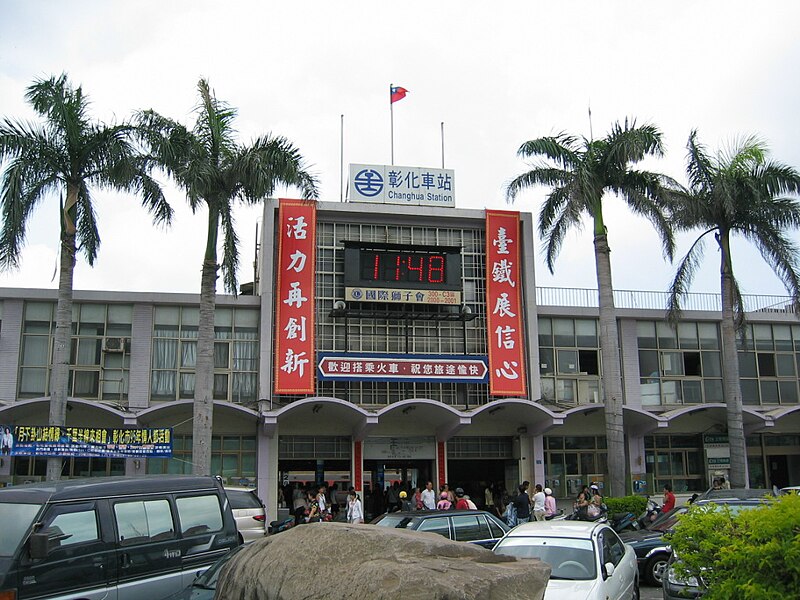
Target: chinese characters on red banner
{"points": [[503, 305], [294, 325]]}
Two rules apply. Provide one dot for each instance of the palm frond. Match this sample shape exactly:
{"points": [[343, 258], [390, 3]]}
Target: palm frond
{"points": [[699, 168], [87, 234], [538, 175], [562, 149], [628, 144], [230, 250], [780, 253], [569, 216], [684, 275], [271, 161]]}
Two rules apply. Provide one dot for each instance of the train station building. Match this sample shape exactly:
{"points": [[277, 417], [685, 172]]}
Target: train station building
{"points": [[408, 342]]}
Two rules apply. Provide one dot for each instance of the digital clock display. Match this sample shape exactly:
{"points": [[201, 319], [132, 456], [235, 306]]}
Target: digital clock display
{"points": [[403, 267]]}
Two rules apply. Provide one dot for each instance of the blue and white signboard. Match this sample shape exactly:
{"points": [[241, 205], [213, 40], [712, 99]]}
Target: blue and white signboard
{"points": [[414, 186]]}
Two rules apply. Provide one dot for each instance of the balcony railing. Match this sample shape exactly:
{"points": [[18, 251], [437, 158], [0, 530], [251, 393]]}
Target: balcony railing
{"points": [[587, 298]]}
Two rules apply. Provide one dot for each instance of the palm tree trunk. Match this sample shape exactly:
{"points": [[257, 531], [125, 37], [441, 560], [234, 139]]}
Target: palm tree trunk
{"points": [[204, 370], [730, 362], [612, 381], [59, 379]]}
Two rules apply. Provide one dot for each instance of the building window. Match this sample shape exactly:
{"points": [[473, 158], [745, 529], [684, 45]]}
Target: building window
{"points": [[769, 360], [480, 447], [574, 461], [679, 366], [569, 360], [232, 457], [175, 353], [314, 447], [99, 351], [677, 460], [34, 469]]}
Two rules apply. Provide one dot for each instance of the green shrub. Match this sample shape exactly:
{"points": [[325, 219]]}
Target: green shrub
{"points": [[634, 504], [753, 555]]}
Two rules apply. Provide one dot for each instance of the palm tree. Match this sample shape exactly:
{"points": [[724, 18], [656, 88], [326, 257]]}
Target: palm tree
{"points": [[214, 170], [66, 155], [580, 173], [736, 192]]}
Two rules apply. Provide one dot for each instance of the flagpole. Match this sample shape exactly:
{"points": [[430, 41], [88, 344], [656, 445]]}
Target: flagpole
{"points": [[391, 121], [443, 144], [341, 160]]}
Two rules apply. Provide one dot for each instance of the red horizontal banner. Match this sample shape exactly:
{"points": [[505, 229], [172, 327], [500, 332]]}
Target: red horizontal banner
{"points": [[505, 335]]}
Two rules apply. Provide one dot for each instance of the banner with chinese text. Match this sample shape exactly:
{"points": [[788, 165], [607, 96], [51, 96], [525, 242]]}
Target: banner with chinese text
{"points": [[46, 440], [296, 286], [505, 337]]}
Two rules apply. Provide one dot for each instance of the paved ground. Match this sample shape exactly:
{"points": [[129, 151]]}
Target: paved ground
{"points": [[650, 593]]}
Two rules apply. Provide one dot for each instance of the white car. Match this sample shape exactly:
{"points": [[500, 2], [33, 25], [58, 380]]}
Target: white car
{"points": [[588, 561], [249, 513]]}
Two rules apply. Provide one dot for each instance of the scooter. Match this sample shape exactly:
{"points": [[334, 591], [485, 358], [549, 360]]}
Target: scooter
{"points": [[624, 522], [651, 511], [279, 526]]}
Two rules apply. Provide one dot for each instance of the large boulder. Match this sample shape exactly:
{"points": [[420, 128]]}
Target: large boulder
{"points": [[338, 560]]}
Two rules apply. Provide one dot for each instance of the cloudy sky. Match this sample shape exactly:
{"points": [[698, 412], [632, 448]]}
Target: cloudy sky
{"points": [[496, 74]]}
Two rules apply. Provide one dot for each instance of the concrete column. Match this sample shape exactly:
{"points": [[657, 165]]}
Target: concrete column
{"points": [[537, 456], [526, 459], [267, 472], [636, 458]]}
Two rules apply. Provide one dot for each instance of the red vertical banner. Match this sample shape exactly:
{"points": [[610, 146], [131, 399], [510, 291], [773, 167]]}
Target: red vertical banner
{"points": [[358, 466], [296, 285], [441, 457], [505, 337]]}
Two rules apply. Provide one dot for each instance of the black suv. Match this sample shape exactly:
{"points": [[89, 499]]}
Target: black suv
{"points": [[474, 526]]}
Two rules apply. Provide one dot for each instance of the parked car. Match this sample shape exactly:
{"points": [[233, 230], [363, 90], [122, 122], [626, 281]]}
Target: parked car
{"points": [[111, 537], [474, 526], [677, 587], [735, 493], [205, 585], [588, 560], [652, 551], [249, 513]]}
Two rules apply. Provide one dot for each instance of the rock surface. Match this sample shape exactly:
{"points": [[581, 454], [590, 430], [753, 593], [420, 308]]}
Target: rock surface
{"points": [[338, 560]]}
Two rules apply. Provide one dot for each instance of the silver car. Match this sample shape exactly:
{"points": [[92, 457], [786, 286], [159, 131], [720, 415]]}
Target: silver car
{"points": [[249, 513]]}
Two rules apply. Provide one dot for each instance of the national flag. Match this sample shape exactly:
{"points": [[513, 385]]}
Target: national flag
{"points": [[397, 93]]}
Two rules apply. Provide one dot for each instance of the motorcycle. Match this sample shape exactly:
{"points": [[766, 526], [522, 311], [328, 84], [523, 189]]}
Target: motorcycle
{"points": [[651, 511], [279, 526], [624, 522]]}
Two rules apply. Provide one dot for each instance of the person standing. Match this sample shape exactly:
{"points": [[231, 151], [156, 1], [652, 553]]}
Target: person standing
{"points": [[488, 499], [538, 503], [669, 499], [429, 497], [549, 503], [405, 503], [522, 502], [355, 512], [444, 503]]}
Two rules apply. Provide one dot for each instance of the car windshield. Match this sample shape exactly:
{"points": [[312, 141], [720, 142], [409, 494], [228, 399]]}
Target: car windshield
{"points": [[568, 558], [208, 580], [397, 521], [16, 520]]}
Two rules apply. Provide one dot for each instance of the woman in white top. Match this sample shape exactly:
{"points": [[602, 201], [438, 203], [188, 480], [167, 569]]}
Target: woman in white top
{"points": [[355, 513]]}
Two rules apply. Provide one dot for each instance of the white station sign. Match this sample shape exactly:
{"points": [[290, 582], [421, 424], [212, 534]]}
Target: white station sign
{"points": [[415, 186]]}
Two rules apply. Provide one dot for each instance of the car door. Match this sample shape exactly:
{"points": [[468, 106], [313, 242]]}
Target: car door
{"points": [[472, 528], [79, 564], [620, 583], [148, 553], [440, 525]]}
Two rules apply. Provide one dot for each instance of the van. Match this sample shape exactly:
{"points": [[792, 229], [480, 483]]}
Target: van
{"points": [[111, 538]]}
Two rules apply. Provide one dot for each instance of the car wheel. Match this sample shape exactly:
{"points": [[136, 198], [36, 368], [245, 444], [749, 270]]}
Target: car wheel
{"points": [[654, 571]]}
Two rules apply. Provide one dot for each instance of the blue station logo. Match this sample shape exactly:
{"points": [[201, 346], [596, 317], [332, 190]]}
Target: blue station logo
{"points": [[368, 183]]}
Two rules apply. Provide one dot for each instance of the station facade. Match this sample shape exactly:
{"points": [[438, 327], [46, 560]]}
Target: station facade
{"points": [[417, 348]]}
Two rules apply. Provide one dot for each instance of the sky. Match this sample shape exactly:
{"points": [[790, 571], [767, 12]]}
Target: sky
{"points": [[496, 74]]}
